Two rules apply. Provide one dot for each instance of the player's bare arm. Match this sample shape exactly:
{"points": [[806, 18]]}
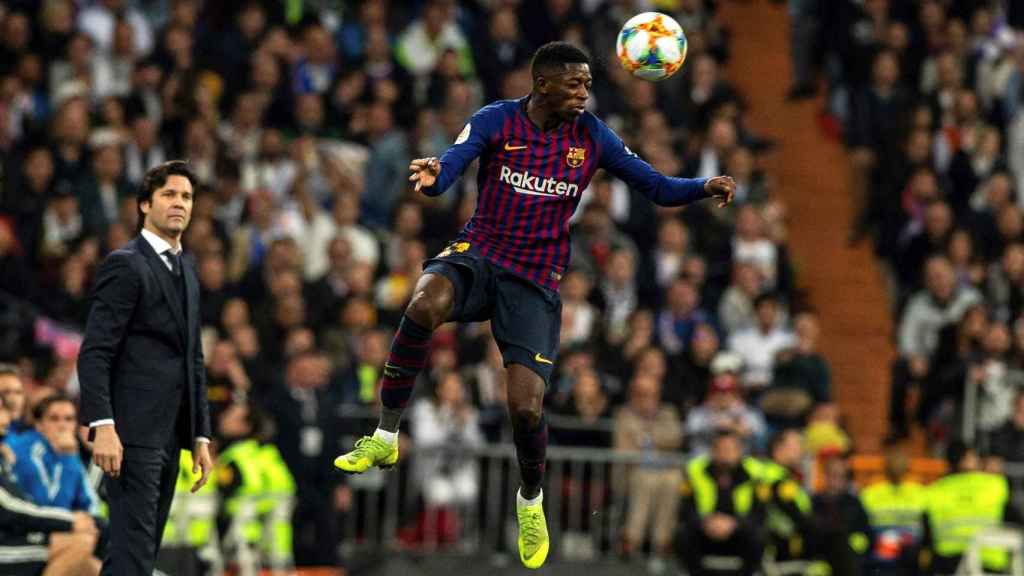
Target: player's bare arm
{"points": [[721, 188], [424, 171]]}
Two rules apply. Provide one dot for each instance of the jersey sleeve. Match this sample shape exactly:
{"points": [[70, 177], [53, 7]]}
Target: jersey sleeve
{"points": [[663, 190], [469, 144], [85, 498]]}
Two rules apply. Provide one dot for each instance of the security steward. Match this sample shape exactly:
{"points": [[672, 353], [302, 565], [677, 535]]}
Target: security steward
{"points": [[721, 512], [895, 505], [189, 527], [788, 507], [961, 504], [253, 479]]}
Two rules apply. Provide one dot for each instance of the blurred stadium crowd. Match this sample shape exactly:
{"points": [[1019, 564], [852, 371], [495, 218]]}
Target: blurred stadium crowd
{"points": [[930, 97], [301, 117]]}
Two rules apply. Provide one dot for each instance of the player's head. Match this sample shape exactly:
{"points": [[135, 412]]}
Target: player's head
{"points": [[561, 78], [165, 198], [56, 418], [12, 391], [726, 448], [786, 448], [5, 419]]}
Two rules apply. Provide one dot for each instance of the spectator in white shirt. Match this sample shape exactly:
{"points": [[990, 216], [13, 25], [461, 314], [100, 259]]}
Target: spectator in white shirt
{"points": [[99, 22], [449, 423], [759, 344], [752, 245], [736, 308]]}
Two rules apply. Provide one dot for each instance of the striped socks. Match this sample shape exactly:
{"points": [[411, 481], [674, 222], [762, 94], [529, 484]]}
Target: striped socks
{"points": [[407, 357]]}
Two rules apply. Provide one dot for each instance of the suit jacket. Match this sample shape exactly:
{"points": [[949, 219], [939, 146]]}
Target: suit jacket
{"points": [[141, 356]]}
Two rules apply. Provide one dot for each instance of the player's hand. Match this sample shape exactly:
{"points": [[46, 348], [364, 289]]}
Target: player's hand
{"points": [[424, 172], [201, 460], [107, 451], [722, 188], [83, 523]]}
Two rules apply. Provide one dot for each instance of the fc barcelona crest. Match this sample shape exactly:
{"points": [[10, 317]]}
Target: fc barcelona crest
{"points": [[576, 157]]}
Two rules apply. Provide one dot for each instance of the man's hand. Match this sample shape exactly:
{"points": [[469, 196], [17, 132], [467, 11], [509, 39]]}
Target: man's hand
{"points": [[918, 366], [83, 523], [107, 450], [719, 526], [722, 188], [65, 443], [424, 172], [342, 498], [201, 460]]}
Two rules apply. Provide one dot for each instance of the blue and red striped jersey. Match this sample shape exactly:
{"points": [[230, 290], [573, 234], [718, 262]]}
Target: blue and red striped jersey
{"points": [[530, 181]]}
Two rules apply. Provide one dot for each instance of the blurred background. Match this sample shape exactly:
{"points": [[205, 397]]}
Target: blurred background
{"points": [[854, 316]]}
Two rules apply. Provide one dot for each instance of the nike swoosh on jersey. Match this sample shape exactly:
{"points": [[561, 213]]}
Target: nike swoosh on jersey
{"points": [[510, 148]]}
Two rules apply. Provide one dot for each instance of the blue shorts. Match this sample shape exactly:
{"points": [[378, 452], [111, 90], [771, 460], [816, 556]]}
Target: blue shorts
{"points": [[526, 318]]}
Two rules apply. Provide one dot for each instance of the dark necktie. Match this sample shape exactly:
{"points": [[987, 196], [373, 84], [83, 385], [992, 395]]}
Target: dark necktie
{"points": [[175, 260]]}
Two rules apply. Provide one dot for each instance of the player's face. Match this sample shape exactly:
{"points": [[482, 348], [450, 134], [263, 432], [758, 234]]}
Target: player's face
{"points": [[570, 90], [13, 393], [58, 423], [170, 209]]}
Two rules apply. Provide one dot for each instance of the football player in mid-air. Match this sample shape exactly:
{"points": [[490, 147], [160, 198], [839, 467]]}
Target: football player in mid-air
{"points": [[537, 155]]}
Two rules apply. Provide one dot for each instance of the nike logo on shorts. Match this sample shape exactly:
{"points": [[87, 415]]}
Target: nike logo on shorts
{"points": [[542, 360]]}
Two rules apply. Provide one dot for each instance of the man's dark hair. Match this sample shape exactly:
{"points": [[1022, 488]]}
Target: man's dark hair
{"points": [[778, 438], [7, 369], [555, 55], [43, 406], [156, 177], [765, 297], [723, 434], [956, 451]]}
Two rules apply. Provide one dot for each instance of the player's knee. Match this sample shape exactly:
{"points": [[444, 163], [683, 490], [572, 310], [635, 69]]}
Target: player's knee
{"points": [[86, 542], [77, 545], [430, 306], [525, 417]]}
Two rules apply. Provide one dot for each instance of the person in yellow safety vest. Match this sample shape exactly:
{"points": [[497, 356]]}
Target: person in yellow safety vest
{"points": [[278, 503], [961, 504], [788, 506], [721, 512], [199, 528], [895, 507], [252, 478]]}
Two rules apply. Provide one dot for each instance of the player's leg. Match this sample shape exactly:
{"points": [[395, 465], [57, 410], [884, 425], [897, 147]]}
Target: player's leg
{"points": [[529, 429], [433, 302], [430, 307], [71, 554], [526, 325], [530, 434]]}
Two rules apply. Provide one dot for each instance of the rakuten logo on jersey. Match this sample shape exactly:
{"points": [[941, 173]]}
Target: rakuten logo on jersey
{"points": [[524, 183]]}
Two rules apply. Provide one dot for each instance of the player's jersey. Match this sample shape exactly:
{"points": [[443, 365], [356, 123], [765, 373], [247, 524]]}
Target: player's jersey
{"points": [[530, 181]]}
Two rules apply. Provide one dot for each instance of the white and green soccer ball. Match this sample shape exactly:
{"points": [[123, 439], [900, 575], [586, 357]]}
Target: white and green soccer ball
{"points": [[651, 46]]}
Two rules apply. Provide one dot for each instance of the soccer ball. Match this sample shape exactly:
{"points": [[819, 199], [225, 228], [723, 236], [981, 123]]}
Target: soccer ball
{"points": [[651, 46]]}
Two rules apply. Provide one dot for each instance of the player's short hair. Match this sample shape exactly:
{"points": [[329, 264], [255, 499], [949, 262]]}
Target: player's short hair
{"points": [[555, 55], [156, 177], [7, 369], [43, 406]]}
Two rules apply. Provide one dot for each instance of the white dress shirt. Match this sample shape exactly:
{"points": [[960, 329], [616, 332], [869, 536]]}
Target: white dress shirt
{"points": [[165, 250]]}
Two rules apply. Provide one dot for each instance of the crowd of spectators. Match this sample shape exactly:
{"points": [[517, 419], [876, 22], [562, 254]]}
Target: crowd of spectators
{"points": [[300, 119], [928, 95]]}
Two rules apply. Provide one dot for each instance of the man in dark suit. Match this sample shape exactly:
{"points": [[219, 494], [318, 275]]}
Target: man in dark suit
{"points": [[141, 372]]}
